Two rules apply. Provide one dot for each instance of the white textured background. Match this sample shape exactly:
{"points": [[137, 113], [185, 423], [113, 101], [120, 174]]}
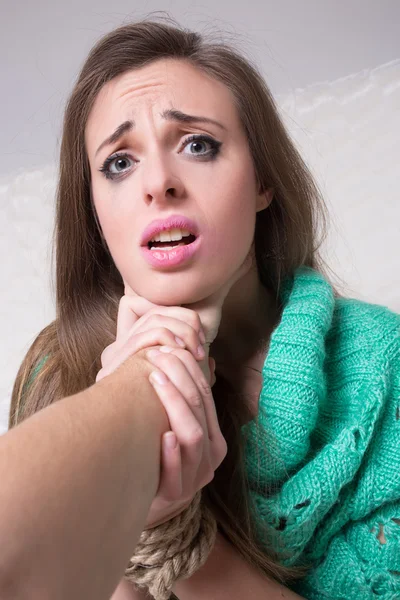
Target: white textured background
{"points": [[349, 132], [348, 128], [294, 42]]}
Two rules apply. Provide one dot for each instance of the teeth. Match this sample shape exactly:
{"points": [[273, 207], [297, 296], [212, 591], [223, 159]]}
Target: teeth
{"points": [[169, 247], [171, 236]]}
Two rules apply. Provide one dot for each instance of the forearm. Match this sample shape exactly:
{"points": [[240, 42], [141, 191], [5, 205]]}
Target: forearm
{"points": [[227, 576], [77, 481]]}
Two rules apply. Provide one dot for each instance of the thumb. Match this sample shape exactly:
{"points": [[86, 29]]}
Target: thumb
{"points": [[142, 305], [131, 308]]}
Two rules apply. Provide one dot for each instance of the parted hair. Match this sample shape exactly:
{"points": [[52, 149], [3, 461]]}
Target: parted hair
{"points": [[88, 286]]}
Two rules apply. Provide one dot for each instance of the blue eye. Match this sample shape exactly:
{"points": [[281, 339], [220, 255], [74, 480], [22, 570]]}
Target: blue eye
{"points": [[115, 165], [196, 141], [119, 163]]}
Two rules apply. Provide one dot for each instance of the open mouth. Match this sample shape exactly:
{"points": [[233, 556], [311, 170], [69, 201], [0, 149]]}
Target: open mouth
{"points": [[171, 244]]}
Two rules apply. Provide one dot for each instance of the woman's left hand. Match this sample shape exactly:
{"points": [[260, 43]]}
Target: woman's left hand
{"points": [[200, 447]]}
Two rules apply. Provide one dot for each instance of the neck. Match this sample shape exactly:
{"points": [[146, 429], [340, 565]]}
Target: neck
{"points": [[249, 315]]}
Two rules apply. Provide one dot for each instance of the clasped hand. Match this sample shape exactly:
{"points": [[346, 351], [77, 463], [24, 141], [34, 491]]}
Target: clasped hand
{"points": [[178, 340]]}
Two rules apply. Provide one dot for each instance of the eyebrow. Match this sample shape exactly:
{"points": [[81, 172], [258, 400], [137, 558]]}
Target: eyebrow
{"points": [[169, 115]]}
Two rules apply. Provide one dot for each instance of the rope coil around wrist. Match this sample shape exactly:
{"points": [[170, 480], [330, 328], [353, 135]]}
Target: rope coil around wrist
{"points": [[173, 550]]}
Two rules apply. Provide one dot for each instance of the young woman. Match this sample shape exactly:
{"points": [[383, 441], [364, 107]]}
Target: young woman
{"points": [[187, 223]]}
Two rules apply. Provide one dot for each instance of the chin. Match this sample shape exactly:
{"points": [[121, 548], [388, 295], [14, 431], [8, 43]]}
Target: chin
{"points": [[172, 297], [175, 295]]}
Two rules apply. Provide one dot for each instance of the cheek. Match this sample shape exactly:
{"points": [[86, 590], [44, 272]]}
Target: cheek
{"points": [[112, 213], [233, 214], [116, 230]]}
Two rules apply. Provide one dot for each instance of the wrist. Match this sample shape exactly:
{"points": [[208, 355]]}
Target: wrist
{"points": [[129, 385], [177, 511]]}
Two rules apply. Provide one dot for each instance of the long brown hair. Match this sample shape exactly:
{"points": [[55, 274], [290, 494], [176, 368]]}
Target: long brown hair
{"points": [[89, 286]]}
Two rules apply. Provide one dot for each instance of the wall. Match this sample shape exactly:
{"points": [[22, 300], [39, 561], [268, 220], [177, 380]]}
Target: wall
{"points": [[295, 43], [345, 120]]}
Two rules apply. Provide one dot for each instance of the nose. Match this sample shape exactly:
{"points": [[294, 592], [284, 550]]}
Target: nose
{"points": [[160, 182]]}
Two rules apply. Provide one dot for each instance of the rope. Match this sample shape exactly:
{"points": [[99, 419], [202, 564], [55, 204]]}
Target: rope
{"points": [[173, 550]]}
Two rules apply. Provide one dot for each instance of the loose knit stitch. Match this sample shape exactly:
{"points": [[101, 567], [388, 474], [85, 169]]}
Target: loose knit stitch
{"points": [[328, 485]]}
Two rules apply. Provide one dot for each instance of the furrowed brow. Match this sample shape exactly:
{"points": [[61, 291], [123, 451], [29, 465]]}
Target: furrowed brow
{"points": [[169, 115], [118, 133], [176, 115]]}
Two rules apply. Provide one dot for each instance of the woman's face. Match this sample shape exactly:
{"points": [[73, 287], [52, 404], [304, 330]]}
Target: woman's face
{"points": [[152, 169]]}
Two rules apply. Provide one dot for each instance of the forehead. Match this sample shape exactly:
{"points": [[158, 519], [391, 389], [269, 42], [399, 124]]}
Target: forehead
{"points": [[164, 84]]}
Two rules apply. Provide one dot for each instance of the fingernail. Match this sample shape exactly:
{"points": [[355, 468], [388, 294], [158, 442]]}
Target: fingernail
{"points": [[179, 341], [200, 352], [166, 349], [152, 353], [158, 377], [202, 337], [170, 440]]}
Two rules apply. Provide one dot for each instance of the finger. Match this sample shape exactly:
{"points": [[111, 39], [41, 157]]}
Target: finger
{"points": [[135, 309], [108, 354], [186, 315], [170, 485], [198, 461], [113, 357], [182, 402], [217, 441], [196, 470], [129, 311], [182, 330], [190, 383]]}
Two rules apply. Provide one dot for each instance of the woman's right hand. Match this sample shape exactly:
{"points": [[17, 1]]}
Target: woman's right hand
{"points": [[172, 326]]}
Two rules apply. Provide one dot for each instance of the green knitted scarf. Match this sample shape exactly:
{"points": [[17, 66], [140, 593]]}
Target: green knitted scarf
{"points": [[323, 454]]}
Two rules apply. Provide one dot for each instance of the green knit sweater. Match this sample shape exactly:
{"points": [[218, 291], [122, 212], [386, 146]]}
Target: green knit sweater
{"points": [[327, 480]]}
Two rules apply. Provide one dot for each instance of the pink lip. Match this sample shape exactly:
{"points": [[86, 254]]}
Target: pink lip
{"points": [[173, 222], [171, 258]]}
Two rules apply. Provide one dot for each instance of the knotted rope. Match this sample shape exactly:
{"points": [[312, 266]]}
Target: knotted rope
{"points": [[173, 550]]}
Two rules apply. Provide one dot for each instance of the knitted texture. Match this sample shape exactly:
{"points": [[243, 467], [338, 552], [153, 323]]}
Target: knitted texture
{"points": [[323, 453], [173, 550]]}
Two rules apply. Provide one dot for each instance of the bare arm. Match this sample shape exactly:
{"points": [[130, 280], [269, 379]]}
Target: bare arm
{"points": [[77, 481], [227, 576]]}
